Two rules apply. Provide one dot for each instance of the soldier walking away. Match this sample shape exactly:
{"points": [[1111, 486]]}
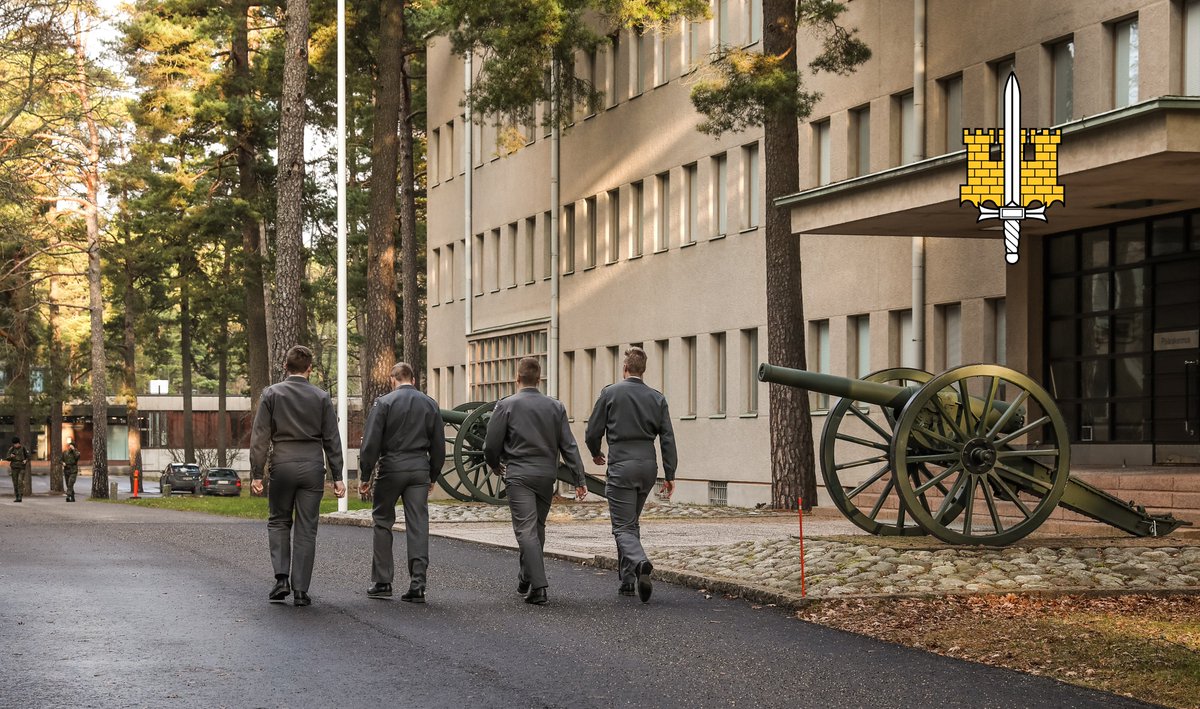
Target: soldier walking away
{"points": [[631, 415], [526, 435], [70, 469], [296, 429], [18, 460], [403, 449]]}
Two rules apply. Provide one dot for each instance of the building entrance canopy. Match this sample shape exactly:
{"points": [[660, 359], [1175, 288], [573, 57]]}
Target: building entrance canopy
{"points": [[1134, 162]]}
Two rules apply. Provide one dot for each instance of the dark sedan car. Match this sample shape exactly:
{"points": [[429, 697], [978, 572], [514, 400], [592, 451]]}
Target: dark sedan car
{"points": [[182, 477], [221, 481]]}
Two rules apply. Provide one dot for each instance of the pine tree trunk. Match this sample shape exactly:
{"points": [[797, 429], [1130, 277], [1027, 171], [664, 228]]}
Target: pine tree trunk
{"points": [[409, 301], [793, 469], [19, 389], [379, 339], [133, 437], [252, 265], [58, 370], [222, 395], [289, 209], [91, 212], [185, 359]]}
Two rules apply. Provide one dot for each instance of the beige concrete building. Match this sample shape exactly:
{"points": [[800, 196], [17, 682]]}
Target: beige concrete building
{"points": [[661, 242]]}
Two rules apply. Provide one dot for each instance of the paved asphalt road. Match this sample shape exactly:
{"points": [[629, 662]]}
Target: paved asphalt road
{"points": [[107, 605]]}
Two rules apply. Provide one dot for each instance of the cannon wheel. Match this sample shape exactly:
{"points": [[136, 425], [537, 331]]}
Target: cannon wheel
{"points": [[991, 458], [449, 480], [468, 458], [835, 443]]}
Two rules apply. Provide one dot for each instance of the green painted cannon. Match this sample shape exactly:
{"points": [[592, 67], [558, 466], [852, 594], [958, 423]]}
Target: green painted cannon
{"points": [[977, 455], [466, 475]]}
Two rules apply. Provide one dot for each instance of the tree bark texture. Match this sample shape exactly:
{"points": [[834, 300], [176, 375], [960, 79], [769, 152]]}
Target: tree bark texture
{"points": [[58, 370], [289, 209], [252, 263], [133, 436], [185, 355], [23, 346], [379, 339], [411, 306], [793, 469]]}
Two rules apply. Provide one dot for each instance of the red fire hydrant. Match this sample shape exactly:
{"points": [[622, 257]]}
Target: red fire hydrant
{"points": [[136, 483]]}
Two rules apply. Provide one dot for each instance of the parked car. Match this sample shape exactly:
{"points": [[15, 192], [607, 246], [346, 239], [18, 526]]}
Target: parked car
{"points": [[221, 481], [182, 477]]}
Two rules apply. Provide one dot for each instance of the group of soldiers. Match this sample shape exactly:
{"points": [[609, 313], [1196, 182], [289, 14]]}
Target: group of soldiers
{"points": [[18, 464], [402, 453]]}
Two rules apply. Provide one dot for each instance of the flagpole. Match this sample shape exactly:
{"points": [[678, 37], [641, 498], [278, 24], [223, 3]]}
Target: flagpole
{"points": [[342, 323]]}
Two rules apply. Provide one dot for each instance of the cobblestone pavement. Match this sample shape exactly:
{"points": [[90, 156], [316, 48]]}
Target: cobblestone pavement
{"points": [[479, 512], [837, 568]]}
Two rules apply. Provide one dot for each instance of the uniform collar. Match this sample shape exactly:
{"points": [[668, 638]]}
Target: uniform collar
{"points": [[296, 378]]}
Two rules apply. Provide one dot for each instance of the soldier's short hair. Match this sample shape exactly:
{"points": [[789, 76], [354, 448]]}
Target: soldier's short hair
{"points": [[635, 361], [529, 371], [298, 360], [403, 372], [16, 439]]}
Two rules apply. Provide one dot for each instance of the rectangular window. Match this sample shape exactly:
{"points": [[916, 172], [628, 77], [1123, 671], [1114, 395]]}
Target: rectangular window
{"points": [[477, 263], [820, 340], [431, 160], [860, 345], [568, 239], [660, 57], [477, 132], [435, 384], [904, 349], [494, 253], [750, 191], [824, 160], [493, 363], [693, 380], [590, 246], [637, 234], [642, 44], [952, 89], [614, 365], [435, 277], [547, 251], [908, 129], [567, 384], [449, 154], [1191, 48], [1001, 70], [610, 70], [997, 349], [662, 231], [530, 128], [862, 141], [662, 351], [720, 383], [450, 392], [1125, 58], [695, 43], [450, 282], [718, 493], [750, 360], [594, 77], [589, 374], [723, 28], [512, 254], [720, 193], [951, 335], [754, 21], [613, 239], [1062, 55], [530, 236], [691, 179]]}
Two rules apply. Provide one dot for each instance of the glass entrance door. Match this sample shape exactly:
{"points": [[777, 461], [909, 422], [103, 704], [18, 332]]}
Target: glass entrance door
{"points": [[1177, 361]]}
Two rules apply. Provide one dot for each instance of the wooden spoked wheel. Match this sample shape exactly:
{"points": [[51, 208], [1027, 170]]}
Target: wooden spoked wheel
{"points": [[468, 458], [856, 460], [449, 479], [997, 447]]}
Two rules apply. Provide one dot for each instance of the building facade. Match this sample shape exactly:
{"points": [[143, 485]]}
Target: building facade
{"points": [[661, 245]]}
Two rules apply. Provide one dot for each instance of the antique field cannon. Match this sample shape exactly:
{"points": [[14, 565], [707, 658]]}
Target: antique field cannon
{"points": [[977, 455], [466, 475]]}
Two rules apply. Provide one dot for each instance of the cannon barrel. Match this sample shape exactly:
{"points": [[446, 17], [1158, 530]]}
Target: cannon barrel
{"points": [[876, 393], [454, 416]]}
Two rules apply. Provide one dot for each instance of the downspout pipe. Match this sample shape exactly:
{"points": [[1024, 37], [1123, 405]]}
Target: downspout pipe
{"points": [[918, 242], [552, 354], [468, 164]]}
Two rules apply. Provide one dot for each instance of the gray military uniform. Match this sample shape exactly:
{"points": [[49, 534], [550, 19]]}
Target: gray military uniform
{"points": [[527, 434], [404, 444], [631, 415], [297, 425]]}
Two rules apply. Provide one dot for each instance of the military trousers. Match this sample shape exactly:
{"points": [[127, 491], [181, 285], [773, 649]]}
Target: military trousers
{"points": [[69, 478], [293, 505], [411, 487], [529, 499], [18, 481], [627, 486]]}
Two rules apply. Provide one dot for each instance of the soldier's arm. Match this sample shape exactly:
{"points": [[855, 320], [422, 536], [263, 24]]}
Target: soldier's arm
{"points": [[568, 449], [331, 440], [596, 424], [493, 442], [437, 444], [372, 441], [260, 437], [666, 441]]}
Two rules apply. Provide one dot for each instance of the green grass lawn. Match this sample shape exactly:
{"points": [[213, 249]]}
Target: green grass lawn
{"points": [[242, 506]]}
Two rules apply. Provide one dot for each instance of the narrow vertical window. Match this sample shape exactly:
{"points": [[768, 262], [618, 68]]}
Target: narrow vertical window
{"points": [[640, 50], [997, 350], [908, 129], [723, 28], [1191, 48], [610, 83], [660, 57], [637, 233], [860, 338], [496, 250], [589, 375], [662, 231], [530, 236], [512, 254], [590, 246], [720, 380], [594, 78], [820, 331], [662, 351], [695, 42], [903, 348], [1002, 69], [1125, 56], [691, 187], [614, 365], [750, 190], [750, 378], [689, 352], [435, 277], [613, 240], [431, 160], [862, 141], [754, 25], [720, 193], [951, 335], [824, 159], [567, 382], [952, 97], [1063, 57], [547, 252], [477, 263], [450, 153], [450, 251], [568, 239]]}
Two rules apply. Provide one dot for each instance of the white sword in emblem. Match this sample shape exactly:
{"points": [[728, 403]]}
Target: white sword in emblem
{"points": [[1014, 210]]}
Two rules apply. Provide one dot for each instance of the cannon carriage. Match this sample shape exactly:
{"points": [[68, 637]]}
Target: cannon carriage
{"points": [[466, 476], [979, 454]]}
